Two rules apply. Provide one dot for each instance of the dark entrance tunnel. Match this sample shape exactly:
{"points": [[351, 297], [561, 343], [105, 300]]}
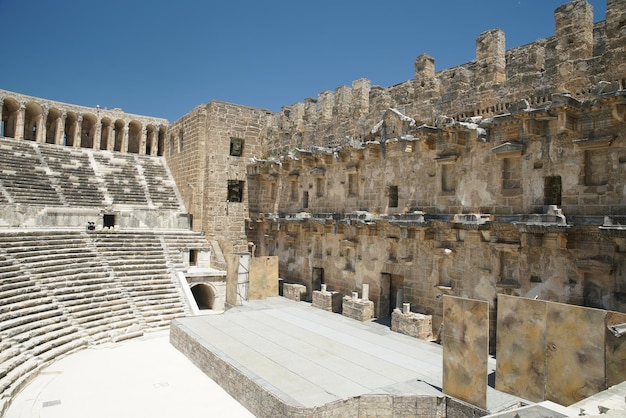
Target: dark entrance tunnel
{"points": [[204, 296]]}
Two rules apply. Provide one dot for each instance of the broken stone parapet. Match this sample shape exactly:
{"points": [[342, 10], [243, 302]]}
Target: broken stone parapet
{"points": [[294, 291], [327, 300], [359, 309], [412, 324]]}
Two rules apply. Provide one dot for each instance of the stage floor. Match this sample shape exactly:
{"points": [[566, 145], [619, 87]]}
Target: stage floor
{"points": [[308, 357]]}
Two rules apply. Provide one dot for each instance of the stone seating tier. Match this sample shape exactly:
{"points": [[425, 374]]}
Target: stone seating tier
{"points": [[43, 174], [61, 291]]}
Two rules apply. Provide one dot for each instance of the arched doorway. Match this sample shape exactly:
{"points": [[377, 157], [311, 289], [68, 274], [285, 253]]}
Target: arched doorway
{"points": [[204, 295]]}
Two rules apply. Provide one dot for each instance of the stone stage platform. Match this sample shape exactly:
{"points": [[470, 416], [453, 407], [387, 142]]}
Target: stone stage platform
{"points": [[283, 358]]}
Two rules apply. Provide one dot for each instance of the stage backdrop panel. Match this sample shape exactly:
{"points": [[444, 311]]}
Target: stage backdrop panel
{"points": [[465, 349], [521, 340], [574, 352]]}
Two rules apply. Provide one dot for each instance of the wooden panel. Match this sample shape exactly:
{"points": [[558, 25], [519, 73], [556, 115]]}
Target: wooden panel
{"points": [[574, 352], [520, 347], [263, 278], [232, 269], [466, 349]]}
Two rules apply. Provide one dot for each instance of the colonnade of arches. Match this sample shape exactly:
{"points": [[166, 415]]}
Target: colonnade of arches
{"points": [[52, 125]]}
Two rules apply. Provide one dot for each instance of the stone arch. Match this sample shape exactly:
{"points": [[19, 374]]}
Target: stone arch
{"points": [[10, 112], [52, 125], [119, 135], [32, 121], [88, 130], [134, 137], [204, 294], [105, 134], [71, 121]]}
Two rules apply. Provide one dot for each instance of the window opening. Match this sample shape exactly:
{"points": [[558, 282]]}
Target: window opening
{"points": [[236, 147], [235, 191]]}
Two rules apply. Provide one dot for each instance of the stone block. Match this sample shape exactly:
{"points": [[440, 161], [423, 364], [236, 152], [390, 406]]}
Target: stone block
{"points": [[413, 324], [359, 309], [294, 291], [328, 301]]}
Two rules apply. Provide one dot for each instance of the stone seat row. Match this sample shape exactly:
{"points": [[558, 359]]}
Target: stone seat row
{"points": [[60, 292], [117, 175]]}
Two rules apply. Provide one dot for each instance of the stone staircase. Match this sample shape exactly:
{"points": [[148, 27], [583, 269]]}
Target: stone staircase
{"points": [[61, 291]]}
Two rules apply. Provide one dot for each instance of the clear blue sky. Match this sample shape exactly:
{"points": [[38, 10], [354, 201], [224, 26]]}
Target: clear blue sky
{"points": [[163, 58]]}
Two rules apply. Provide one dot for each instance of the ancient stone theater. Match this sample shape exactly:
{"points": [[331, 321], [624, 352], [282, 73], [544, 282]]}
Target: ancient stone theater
{"points": [[480, 208]]}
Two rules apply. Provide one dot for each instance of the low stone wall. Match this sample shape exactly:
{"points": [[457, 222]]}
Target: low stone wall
{"points": [[412, 324], [295, 292], [328, 301], [263, 403], [359, 309]]}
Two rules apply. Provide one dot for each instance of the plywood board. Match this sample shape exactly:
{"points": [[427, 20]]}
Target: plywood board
{"points": [[574, 352], [232, 265], [520, 347], [466, 349], [615, 349], [263, 278]]}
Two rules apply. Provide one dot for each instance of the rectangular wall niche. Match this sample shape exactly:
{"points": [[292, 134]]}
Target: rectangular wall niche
{"points": [[448, 178], [393, 196], [596, 167], [236, 147], [235, 191], [511, 173]]}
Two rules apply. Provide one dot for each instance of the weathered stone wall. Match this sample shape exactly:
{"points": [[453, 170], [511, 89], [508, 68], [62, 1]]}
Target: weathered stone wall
{"points": [[579, 55], [203, 162], [185, 154], [501, 165]]}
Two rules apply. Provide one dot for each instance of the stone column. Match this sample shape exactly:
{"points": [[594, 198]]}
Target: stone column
{"points": [[142, 143], [41, 126], [78, 132], [19, 124], [1, 106], [111, 140], [60, 132], [125, 139], [365, 292], [97, 135]]}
